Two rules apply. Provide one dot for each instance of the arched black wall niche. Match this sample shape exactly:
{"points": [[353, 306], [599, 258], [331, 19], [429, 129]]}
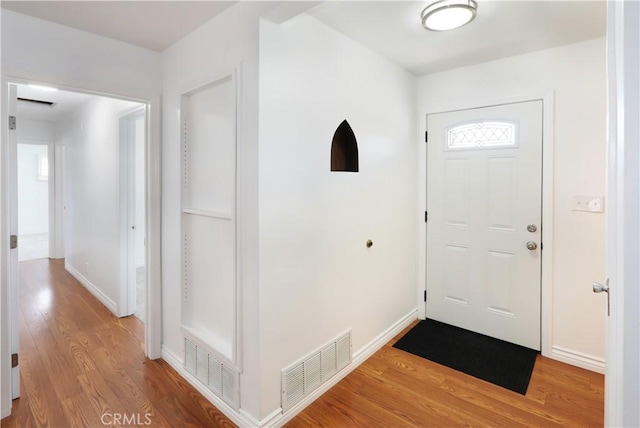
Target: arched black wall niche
{"points": [[344, 149]]}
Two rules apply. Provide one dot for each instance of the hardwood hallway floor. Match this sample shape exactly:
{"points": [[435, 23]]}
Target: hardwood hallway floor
{"points": [[79, 362], [83, 367], [396, 389]]}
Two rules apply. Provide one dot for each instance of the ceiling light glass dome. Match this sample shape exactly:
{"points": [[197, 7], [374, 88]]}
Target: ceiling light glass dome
{"points": [[448, 14]]}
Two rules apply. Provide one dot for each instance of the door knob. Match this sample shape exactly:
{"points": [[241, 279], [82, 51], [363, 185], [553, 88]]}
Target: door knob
{"points": [[531, 245], [599, 288]]}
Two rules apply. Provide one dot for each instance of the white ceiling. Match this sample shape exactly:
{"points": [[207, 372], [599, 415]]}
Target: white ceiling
{"points": [[391, 28], [65, 102], [154, 25], [501, 29]]}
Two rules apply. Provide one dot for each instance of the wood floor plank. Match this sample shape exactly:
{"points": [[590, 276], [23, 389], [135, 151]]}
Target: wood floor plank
{"points": [[44, 404], [418, 412], [59, 360], [22, 416], [26, 340], [150, 378], [533, 408], [123, 385], [80, 412], [104, 398], [342, 408]]}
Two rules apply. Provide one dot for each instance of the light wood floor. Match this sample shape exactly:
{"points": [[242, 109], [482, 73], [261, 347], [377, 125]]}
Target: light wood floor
{"points": [[79, 361], [396, 389]]}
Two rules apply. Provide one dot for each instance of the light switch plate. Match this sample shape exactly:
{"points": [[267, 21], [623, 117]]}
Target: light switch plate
{"points": [[591, 204]]}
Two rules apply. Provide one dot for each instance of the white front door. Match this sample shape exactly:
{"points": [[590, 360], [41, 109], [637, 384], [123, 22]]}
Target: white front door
{"points": [[484, 204]]}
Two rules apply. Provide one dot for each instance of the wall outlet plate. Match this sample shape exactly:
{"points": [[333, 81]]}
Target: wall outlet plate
{"points": [[591, 204]]}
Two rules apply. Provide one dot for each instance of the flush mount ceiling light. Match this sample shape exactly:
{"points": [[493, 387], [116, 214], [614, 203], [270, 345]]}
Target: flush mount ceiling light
{"points": [[448, 14]]}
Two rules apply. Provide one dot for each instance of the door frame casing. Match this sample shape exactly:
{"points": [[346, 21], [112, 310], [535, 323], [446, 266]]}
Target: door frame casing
{"points": [[153, 327], [546, 285], [622, 380], [523, 326], [11, 184]]}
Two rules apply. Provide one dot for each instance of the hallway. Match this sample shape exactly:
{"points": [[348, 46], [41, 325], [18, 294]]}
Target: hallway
{"points": [[82, 366]]}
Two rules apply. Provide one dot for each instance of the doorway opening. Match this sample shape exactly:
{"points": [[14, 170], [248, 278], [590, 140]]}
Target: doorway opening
{"points": [[34, 188], [543, 234], [484, 199], [92, 175]]}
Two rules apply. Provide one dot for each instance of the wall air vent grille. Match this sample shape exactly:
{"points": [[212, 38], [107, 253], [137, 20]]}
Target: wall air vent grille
{"points": [[215, 376], [219, 378], [302, 378], [312, 374], [329, 362], [36, 103]]}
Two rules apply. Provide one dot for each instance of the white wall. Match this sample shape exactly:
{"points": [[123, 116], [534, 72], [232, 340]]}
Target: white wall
{"points": [[35, 131], [33, 194], [212, 51], [92, 217], [52, 53], [576, 74], [317, 278]]}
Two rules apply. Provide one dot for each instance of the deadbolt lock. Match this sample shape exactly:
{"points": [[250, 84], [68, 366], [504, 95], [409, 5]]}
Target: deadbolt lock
{"points": [[532, 228]]}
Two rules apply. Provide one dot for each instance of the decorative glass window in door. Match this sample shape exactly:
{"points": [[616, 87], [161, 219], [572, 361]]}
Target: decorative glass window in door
{"points": [[485, 134]]}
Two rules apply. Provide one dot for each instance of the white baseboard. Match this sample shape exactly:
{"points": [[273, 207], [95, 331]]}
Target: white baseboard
{"points": [[359, 357], [97, 293], [238, 417], [277, 418], [578, 359]]}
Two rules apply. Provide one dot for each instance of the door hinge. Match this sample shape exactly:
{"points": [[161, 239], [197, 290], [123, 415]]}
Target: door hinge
{"points": [[426, 216], [13, 242], [426, 136], [12, 123], [14, 360], [425, 295]]}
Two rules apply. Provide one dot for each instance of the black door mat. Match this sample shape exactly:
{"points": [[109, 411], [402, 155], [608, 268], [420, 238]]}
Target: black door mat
{"points": [[501, 363]]}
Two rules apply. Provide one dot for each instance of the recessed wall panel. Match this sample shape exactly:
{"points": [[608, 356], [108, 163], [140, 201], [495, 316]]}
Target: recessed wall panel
{"points": [[209, 300], [501, 282], [209, 135], [456, 278], [501, 193], [456, 192], [209, 280]]}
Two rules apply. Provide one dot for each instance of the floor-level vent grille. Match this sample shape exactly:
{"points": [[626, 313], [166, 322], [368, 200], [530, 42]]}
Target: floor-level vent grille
{"points": [[302, 378], [222, 380]]}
